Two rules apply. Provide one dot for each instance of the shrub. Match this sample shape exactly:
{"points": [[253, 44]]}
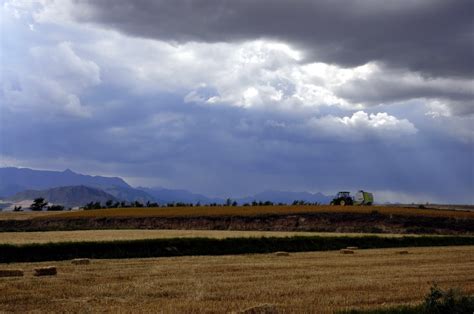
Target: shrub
{"points": [[93, 205], [449, 301], [55, 208]]}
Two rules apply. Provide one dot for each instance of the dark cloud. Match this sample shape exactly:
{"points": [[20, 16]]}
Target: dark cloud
{"points": [[433, 37], [392, 86]]}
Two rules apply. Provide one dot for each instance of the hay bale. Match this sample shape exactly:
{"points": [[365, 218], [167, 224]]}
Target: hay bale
{"points": [[46, 271], [11, 273], [346, 251], [261, 309], [402, 252], [282, 254], [81, 261], [352, 248]]}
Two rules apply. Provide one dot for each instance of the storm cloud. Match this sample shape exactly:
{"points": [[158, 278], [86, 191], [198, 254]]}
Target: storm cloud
{"points": [[433, 37]]}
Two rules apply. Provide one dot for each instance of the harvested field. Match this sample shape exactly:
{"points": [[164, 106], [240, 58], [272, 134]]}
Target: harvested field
{"points": [[257, 210], [317, 282], [133, 234]]}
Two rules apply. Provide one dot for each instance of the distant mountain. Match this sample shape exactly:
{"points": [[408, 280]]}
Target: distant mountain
{"points": [[68, 196], [164, 196], [286, 197], [14, 180]]}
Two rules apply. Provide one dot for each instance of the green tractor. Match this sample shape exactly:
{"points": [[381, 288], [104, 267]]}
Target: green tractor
{"points": [[342, 199], [361, 198]]}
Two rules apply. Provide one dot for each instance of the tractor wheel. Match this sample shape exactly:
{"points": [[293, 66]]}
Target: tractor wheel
{"points": [[342, 202]]}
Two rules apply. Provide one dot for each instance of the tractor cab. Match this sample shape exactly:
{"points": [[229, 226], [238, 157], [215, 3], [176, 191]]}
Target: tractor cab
{"points": [[343, 194], [343, 198]]}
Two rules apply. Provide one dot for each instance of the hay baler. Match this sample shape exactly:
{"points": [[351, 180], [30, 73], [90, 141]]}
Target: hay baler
{"points": [[360, 198], [363, 198]]}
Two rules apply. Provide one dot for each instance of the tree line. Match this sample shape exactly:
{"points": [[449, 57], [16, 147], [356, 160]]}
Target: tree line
{"points": [[40, 204], [229, 203]]}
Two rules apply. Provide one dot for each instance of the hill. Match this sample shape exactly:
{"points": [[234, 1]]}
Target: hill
{"points": [[68, 196]]}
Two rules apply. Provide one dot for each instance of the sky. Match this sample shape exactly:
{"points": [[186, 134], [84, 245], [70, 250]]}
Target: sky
{"points": [[231, 98]]}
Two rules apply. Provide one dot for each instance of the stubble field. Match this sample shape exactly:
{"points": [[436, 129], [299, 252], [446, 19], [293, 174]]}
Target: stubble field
{"points": [[317, 282]]}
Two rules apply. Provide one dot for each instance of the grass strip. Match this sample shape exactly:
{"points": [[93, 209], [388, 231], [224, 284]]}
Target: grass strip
{"points": [[207, 246]]}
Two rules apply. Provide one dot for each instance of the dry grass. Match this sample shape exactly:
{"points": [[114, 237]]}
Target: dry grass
{"points": [[256, 210], [137, 234], [318, 282]]}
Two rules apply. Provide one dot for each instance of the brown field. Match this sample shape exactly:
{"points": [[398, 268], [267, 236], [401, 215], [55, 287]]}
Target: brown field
{"points": [[136, 234], [316, 282], [254, 210]]}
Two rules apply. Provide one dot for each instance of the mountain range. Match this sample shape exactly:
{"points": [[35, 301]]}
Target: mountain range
{"points": [[14, 180], [72, 189]]}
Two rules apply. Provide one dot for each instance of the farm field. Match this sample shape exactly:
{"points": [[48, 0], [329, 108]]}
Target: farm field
{"points": [[256, 210], [136, 234], [319, 282]]}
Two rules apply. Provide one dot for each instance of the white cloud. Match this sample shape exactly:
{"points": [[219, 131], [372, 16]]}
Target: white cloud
{"points": [[50, 78], [437, 109], [361, 125], [61, 63]]}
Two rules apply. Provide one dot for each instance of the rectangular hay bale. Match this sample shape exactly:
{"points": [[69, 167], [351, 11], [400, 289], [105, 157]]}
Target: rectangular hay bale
{"points": [[46, 271], [81, 261], [346, 251], [11, 273], [282, 253]]}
